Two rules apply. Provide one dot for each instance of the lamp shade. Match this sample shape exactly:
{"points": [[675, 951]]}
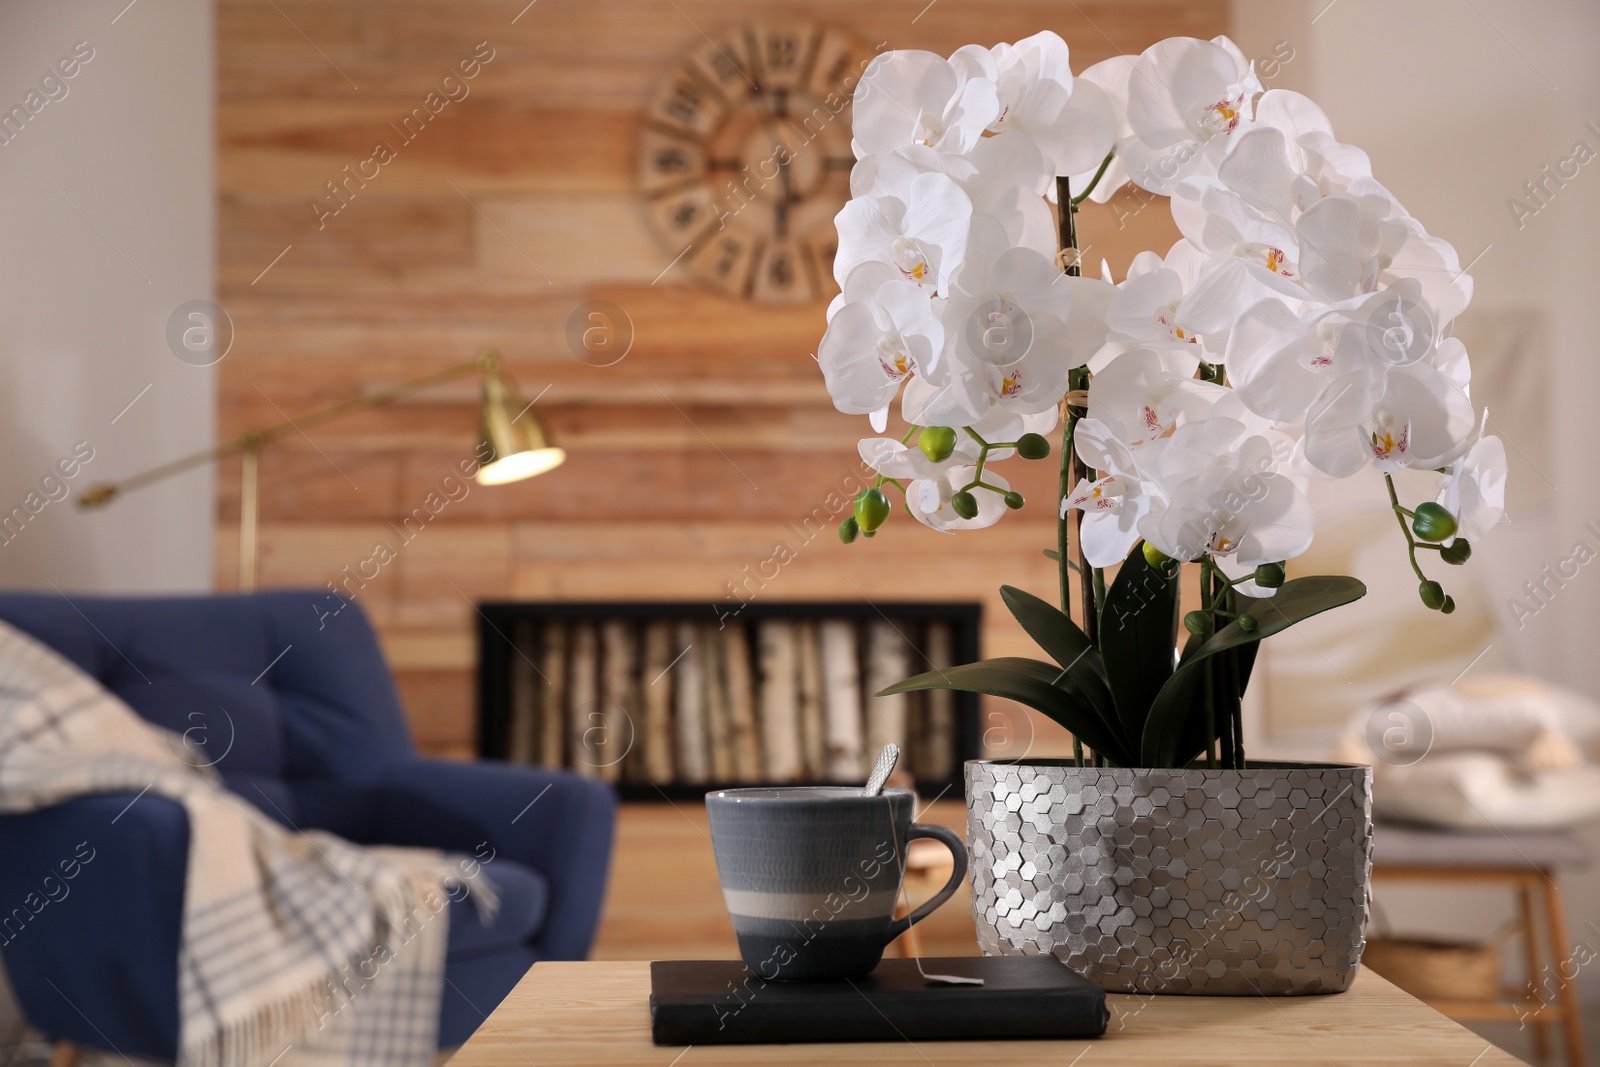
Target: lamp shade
{"points": [[511, 439]]}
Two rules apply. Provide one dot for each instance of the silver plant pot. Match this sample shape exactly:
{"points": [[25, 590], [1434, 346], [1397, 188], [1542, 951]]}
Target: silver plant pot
{"points": [[1212, 882]]}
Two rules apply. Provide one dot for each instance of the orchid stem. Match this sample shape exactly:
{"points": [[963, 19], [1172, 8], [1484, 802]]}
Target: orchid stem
{"points": [[1068, 234], [1104, 163], [1092, 586], [1400, 514]]}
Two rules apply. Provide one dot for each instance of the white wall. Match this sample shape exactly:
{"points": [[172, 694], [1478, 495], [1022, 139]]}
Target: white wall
{"points": [[106, 226], [1459, 104]]}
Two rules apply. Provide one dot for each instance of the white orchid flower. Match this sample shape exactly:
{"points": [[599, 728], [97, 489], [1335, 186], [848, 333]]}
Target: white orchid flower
{"points": [[1114, 501], [1186, 99], [1007, 325], [891, 173], [924, 403], [1290, 159], [1217, 222], [1003, 176], [1342, 241], [916, 97], [930, 485], [1353, 245], [1009, 176], [894, 459], [1474, 490], [1143, 396], [1279, 362], [1410, 416], [1106, 86], [1234, 503], [929, 500], [1151, 307], [885, 332], [1112, 507], [923, 236], [1410, 252], [1040, 98]]}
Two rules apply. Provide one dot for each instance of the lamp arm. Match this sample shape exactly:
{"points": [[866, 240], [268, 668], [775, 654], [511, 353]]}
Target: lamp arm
{"points": [[256, 439]]}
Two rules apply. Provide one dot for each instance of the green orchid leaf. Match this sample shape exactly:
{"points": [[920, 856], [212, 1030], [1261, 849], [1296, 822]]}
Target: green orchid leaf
{"points": [[1049, 627], [1052, 554], [1169, 733], [1041, 686], [1194, 741], [1069, 646], [1138, 638]]}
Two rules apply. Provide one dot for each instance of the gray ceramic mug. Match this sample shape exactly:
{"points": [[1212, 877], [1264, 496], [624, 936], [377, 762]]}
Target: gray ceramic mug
{"points": [[811, 875]]}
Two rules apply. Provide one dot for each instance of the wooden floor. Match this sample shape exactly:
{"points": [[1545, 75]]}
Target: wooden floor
{"points": [[664, 901]]}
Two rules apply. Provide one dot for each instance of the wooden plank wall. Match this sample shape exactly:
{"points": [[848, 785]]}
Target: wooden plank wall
{"points": [[693, 458]]}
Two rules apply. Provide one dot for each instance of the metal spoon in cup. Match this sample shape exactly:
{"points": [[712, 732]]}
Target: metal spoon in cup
{"points": [[880, 774]]}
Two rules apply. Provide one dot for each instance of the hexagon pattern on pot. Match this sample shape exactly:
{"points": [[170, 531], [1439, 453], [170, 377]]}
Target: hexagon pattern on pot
{"points": [[1175, 881]]}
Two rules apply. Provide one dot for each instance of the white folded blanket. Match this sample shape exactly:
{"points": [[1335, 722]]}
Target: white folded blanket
{"points": [[1500, 751], [1482, 791]]}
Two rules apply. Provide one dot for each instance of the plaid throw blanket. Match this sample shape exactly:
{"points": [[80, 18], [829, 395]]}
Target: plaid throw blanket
{"points": [[297, 948]]}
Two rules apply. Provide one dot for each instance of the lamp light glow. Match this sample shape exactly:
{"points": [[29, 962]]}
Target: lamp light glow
{"points": [[511, 442]]}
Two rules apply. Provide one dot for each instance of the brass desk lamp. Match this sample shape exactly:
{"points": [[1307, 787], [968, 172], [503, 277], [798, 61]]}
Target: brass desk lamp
{"points": [[508, 434]]}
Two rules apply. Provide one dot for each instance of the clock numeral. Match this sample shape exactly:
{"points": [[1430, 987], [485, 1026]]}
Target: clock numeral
{"points": [[671, 160], [783, 52], [686, 104], [725, 63], [666, 161], [683, 216], [780, 270], [841, 61], [785, 55], [725, 263], [781, 277]]}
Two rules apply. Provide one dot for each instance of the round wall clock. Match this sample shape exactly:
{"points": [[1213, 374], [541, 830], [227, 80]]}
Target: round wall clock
{"points": [[745, 159]]}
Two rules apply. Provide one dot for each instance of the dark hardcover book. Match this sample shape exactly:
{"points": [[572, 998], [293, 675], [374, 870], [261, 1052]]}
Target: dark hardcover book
{"points": [[720, 1002]]}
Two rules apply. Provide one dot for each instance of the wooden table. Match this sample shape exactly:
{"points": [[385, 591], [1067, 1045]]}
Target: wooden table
{"points": [[599, 1013]]}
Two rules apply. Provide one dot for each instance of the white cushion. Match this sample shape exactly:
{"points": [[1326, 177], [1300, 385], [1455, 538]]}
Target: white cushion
{"points": [[1481, 790]]}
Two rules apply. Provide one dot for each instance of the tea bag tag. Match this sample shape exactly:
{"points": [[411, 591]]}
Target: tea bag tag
{"points": [[947, 979]]}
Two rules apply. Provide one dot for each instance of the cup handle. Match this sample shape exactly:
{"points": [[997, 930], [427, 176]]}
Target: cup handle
{"points": [[958, 850]]}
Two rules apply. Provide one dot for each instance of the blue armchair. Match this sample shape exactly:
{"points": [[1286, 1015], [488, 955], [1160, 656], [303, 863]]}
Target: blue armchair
{"points": [[298, 713]]}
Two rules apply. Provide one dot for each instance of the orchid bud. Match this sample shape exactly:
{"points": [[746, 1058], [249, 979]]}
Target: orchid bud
{"points": [[1431, 522], [849, 530], [1449, 605], [1456, 552], [937, 442], [965, 505], [872, 508], [1158, 559], [1247, 623], [1269, 575], [1014, 500], [1197, 623], [1432, 594], [1033, 446]]}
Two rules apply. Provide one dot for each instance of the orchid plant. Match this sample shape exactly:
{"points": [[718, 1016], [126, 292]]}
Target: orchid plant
{"points": [[1300, 329]]}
